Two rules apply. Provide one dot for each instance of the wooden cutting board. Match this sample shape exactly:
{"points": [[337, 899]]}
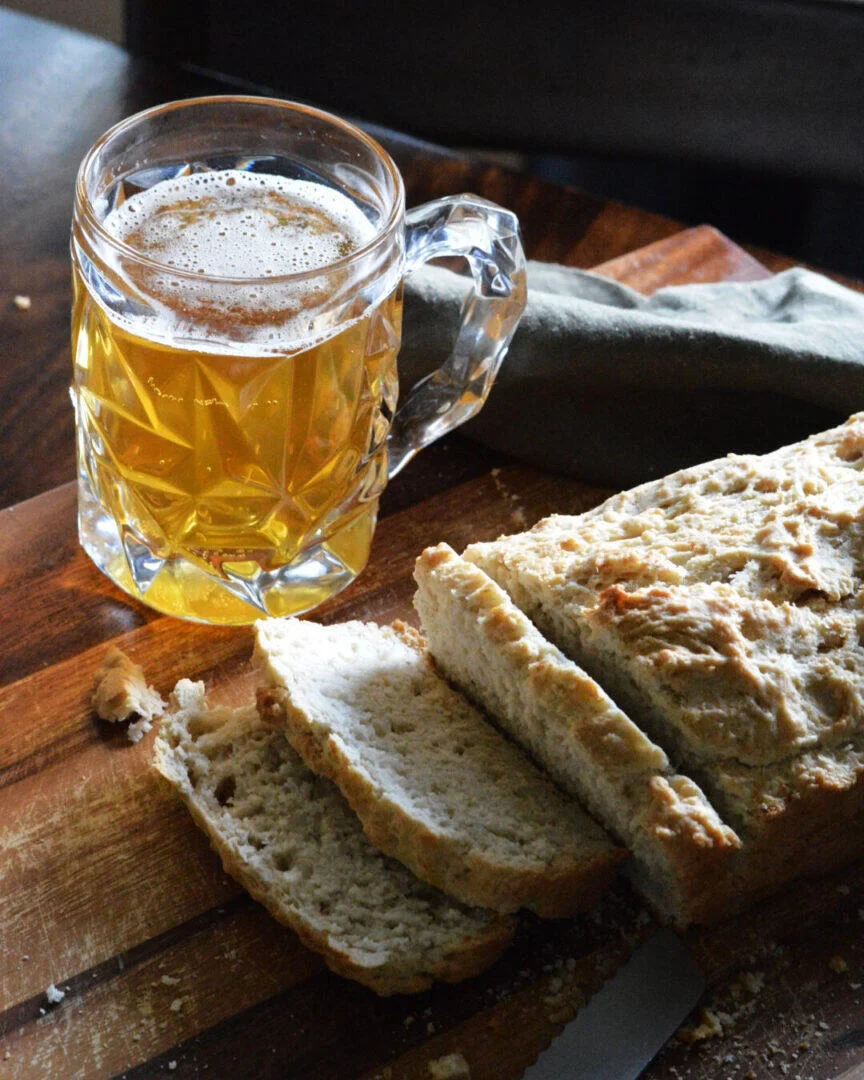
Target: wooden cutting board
{"points": [[109, 892]]}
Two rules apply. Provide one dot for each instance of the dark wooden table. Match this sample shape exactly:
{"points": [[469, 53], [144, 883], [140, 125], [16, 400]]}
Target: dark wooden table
{"points": [[58, 91]]}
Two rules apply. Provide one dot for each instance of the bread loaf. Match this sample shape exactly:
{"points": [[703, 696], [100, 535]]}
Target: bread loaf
{"points": [[721, 609]]}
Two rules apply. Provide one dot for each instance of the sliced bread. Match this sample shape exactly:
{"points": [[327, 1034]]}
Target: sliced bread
{"points": [[290, 838], [721, 608], [434, 784], [486, 646]]}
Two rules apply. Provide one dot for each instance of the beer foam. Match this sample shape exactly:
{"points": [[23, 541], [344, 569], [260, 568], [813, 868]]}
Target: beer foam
{"points": [[204, 228], [230, 223]]}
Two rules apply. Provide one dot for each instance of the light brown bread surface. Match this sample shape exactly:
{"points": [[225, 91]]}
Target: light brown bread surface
{"points": [[486, 646], [121, 692], [434, 784], [290, 838], [721, 608]]}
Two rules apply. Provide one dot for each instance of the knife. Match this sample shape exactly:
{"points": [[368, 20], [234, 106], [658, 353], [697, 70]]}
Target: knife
{"points": [[629, 1019]]}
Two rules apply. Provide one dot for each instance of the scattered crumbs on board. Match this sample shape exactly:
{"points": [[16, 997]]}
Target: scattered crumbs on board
{"points": [[517, 512], [449, 1067], [737, 1000]]}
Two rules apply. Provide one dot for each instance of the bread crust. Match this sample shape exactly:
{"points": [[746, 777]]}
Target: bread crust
{"points": [[398, 973], [560, 715], [722, 608], [470, 959], [468, 876]]}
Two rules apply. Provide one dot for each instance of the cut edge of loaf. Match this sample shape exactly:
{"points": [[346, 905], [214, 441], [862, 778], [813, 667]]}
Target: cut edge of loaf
{"points": [[482, 642], [471, 878], [484, 936], [810, 814], [574, 886]]}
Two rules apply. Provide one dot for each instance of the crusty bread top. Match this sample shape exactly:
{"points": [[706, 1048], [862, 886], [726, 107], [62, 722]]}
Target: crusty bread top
{"points": [[732, 587], [291, 839], [506, 663], [433, 782]]}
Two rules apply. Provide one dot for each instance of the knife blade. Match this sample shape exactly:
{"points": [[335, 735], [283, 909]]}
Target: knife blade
{"points": [[629, 1019]]}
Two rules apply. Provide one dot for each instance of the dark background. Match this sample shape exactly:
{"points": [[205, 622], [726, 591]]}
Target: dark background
{"points": [[743, 113]]}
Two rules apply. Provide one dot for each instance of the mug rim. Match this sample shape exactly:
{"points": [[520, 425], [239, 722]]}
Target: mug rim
{"points": [[84, 206]]}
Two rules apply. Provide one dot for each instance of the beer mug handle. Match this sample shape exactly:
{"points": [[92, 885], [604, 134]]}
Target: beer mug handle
{"points": [[487, 237]]}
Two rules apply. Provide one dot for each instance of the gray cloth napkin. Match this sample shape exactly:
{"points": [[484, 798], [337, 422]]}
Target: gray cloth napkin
{"points": [[615, 388]]}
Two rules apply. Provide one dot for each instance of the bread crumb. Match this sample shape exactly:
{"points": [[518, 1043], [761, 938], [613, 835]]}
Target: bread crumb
{"points": [[138, 729], [708, 1026], [23, 303], [169, 980], [121, 692], [824, 1026], [753, 981], [54, 995], [737, 1000], [450, 1067], [177, 1005], [844, 890], [172, 1065], [838, 964]]}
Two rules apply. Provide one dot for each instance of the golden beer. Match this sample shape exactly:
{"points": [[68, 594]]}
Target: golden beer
{"points": [[237, 270], [235, 461]]}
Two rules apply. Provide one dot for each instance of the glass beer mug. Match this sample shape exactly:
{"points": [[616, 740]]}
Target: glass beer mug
{"points": [[238, 266]]}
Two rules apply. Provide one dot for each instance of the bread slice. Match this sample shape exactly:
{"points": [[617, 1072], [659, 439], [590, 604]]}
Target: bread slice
{"points": [[721, 608], [486, 646], [433, 783], [290, 839]]}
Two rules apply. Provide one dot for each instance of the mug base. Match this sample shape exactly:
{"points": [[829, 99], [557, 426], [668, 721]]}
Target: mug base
{"points": [[179, 587]]}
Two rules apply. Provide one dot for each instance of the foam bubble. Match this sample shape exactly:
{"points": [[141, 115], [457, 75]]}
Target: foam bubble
{"points": [[233, 224], [229, 223]]}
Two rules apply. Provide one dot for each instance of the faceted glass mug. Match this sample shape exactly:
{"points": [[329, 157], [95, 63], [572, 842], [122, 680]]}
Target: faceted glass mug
{"points": [[237, 270]]}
